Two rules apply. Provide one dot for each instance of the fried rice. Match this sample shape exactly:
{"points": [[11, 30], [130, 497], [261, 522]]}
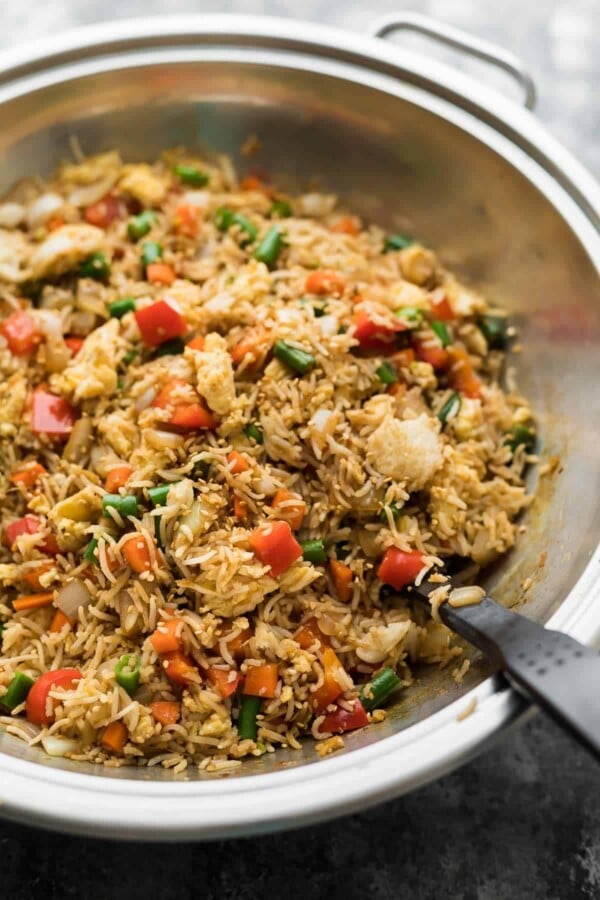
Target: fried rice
{"points": [[234, 426]]}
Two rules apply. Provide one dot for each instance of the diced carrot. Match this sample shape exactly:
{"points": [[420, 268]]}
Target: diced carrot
{"points": [[275, 546], [179, 668], [462, 375], [240, 508], [114, 737], [197, 343], [33, 601], [436, 356], [290, 507], [226, 681], [187, 415], [330, 690], [54, 223], [347, 225], [28, 475], [236, 644], [59, 621], [168, 394], [397, 389], [32, 578], [325, 282], [167, 636], [253, 345], [186, 220], [20, 332], [74, 344], [167, 712], [237, 462], [117, 477], [160, 273], [403, 358], [442, 309], [261, 681], [310, 635], [137, 553], [341, 576]]}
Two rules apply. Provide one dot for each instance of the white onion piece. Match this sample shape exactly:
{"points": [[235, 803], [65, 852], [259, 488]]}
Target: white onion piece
{"points": [[71, 597], [320, 419], [59, 746], [159, 440], [328, 325], [91, 193], [145, 399], [43, 209], [199, 199], [80, 439], [317, 204], [265, 485], [11, 215]]}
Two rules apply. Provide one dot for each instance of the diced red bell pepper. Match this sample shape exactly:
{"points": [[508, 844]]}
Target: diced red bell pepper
{"points": [[275, 546], [399, 568], [373, 336], [222, 680], [51, 415], [431, 353], [160, 322], [36, 707], [30, 525], [442, 310], [20, 333], [105, 211], [345, 719]]}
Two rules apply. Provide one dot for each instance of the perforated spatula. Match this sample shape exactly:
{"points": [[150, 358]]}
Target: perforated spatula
{"points": [[551, 669]]}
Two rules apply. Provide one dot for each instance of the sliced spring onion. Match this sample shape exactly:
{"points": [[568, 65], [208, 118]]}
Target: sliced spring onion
{"points": [[89, 553], [441, 329], [139, 226], [95, 266], [158, 495], [17, 690], [394, 508], [191, 175], [151, 251], [411, 315], [314, 552], [249, 709], [521, 436], [170, 348], [254, 432], [495, 330], [450, 408], [381, 686], [125, 506], [398, 241], [280, 209], [299, 361], [387, 373], [270, 247], [127, 673], [118, 308]]}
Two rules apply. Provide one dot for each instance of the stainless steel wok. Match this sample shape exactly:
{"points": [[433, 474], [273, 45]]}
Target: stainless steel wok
{"points": [[416, 146]]}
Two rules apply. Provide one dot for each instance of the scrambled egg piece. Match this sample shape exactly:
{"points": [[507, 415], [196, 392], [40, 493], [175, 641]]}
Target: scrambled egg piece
{"points": [[13, 394], [120, 433], [214, 374], [14, 256], [142, 182], [72, 517], [93, 372], [408, 451], [64, 249], [418, 264]]}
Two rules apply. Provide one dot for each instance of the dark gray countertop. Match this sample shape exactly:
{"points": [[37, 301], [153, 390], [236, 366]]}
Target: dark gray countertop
{"points": [[523, 820]]}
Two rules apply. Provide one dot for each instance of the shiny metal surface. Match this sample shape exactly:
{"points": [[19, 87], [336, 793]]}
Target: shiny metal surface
{"points": [[411, 144]]}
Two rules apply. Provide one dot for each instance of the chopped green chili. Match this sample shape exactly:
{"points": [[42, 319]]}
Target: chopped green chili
{"points": [[398, 241], [96, 266], [314, 552], [394, 508], [151, 251], [191, 175], [225, 218], [495, 330], [299, 361], [139, 226], [125, 506], [411, 315], [381, 686], [387, 373], [450, 408], [127, 673], [89, 553], [249, 709], [158, 494], [170, 348], [441, 329], [118, 308], [521, 436], [270, 247], [281, 209], [254, 432], [17, 690]]}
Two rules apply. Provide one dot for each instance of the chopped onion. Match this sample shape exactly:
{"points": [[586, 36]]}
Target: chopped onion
{"points": [[43, 209], [91, 193], [199, 199], [328, 325], [82, 322], [159, 440], [221, 303], [11, 215], [59, 746], [317, 204], [80, 439], [320, 419], [145, 399], [265, 485], [71, 597]]}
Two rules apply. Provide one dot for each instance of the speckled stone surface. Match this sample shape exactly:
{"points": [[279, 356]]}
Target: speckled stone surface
{"points": [[523, 820]]}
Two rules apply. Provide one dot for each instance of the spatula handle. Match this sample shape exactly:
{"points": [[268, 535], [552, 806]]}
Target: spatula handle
{"points": [[555, 671]]}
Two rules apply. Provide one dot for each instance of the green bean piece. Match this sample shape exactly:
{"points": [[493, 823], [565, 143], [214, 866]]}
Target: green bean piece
{"points": [[249, 709], [381, 686], [127, 673], [521, 436], [125, 506], [225, 218], [394, 508], [299, 361], [158, 495], [495, 331], [170, 348], [280, 209], [441, 329], [411, 315], [118, 308], [96, 266], [387, 373], [270, 247], [89, 553], [314, 552], [139, 226], [254, 433], [450, 408], [151, 251], [191, 175], [17, 690], [398, 241]]}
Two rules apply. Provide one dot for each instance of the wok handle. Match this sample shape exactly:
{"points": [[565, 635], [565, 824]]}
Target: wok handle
{"points": [[555, 671], [459, 40]]}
